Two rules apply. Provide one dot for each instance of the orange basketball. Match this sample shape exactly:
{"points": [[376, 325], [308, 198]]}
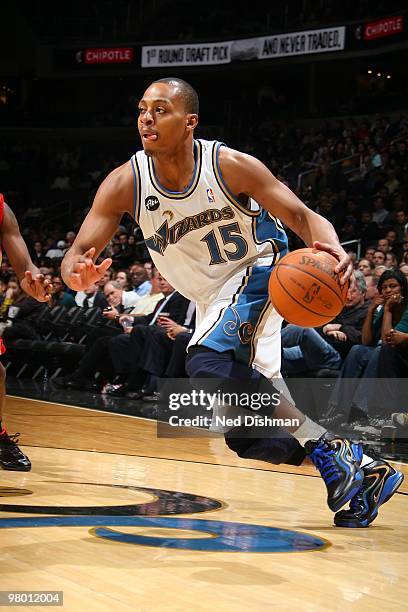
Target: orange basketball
{"points": [[305, 289]]}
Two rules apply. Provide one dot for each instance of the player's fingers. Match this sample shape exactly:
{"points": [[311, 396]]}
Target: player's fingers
{"points": [[102, 267], [324, 246], [78, 268], [347, 275], [89, 253]]}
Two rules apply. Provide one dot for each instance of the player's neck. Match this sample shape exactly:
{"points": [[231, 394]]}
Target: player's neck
{"points": [[175, 170]]}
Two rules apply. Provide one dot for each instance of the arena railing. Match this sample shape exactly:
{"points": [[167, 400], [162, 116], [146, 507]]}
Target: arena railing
{"points": [[343, 160], [346, 160], [356, 241]]}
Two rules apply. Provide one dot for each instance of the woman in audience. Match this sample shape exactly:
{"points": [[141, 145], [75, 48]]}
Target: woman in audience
{"points": [[356, 389], [123, 277]]}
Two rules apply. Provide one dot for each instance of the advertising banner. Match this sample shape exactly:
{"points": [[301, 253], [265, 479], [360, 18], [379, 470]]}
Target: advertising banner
{"points": [[262, 47]]}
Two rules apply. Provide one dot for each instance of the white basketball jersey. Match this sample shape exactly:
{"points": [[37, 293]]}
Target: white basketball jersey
{"points": [[202, 237]]}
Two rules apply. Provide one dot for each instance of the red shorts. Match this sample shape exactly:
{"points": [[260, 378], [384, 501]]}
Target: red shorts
{"points": [[2, 347]]}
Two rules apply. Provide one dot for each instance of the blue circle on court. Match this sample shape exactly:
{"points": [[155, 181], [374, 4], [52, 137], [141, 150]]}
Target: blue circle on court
{"points": [[226, 536]]}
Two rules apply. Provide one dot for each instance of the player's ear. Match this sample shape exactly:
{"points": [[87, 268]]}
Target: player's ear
{"points": [[192, 121]]}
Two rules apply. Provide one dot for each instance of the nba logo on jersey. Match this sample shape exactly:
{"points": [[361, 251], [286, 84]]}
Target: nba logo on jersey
{"points": [[210, 196]]}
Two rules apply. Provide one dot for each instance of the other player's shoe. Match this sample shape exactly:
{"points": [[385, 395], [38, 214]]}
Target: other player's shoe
{"points": [[380, 483], [11, 457], [338, 462]]}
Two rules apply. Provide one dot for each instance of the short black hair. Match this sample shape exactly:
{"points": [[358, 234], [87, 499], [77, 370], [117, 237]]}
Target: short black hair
{"points": [[188, 93], [399, 277]]}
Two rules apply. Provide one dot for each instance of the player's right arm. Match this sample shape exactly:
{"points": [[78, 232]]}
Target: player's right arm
{"points": [[246, 175], [113, 198]]}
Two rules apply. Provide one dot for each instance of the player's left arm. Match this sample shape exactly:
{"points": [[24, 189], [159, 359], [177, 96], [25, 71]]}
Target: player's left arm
{"points": [[32, 282], [246, 175]]}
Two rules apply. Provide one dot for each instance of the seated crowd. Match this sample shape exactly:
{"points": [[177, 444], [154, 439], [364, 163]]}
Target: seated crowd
{"points": [[151, 325]]}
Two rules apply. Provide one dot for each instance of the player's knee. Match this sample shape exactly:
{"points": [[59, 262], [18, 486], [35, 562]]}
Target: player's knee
{"points": [[203, 364], [195, 366], [2, 374]]}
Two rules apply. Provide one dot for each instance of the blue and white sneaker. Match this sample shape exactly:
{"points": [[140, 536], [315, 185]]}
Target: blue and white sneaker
{"points": [[338, 462], [380, 483]]}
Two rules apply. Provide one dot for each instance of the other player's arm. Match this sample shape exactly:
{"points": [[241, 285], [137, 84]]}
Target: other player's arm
{"points": [[245, 174], [31, 281], [113, 198]]}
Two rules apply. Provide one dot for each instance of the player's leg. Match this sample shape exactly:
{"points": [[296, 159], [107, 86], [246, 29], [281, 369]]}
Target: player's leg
{"points": [[11, 457], [335, 458]]}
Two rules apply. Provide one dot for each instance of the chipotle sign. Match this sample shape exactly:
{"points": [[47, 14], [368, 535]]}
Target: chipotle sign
{"points": [[384, 27], [115, 55]]}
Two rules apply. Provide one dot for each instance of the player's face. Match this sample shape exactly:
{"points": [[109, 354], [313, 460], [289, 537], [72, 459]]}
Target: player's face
{"points": [[163, 122]]}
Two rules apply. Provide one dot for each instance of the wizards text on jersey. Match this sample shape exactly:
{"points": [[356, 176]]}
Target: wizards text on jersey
{"points": [[166, 235]]}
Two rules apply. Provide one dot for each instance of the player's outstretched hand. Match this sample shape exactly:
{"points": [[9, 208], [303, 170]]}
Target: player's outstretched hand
{"points": [[37, 286], [344, 266], [84, 272]]}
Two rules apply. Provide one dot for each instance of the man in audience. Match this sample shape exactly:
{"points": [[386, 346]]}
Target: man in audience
{"points": [[366, 267], [383, 245], [380, 212], [401, 224], [371, 286], [379, 258], [305, 349], [97, 356], [61, 297], [369, 253], [164, 345], [140, 282], [127, 351], [91, 298], [145, 305]]}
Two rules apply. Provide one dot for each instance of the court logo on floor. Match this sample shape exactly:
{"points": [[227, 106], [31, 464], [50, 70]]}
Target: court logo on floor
{"points": [[214, 536]]}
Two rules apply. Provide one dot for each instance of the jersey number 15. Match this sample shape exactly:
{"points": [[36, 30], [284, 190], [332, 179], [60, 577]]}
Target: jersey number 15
{"points": [[230, 234]]}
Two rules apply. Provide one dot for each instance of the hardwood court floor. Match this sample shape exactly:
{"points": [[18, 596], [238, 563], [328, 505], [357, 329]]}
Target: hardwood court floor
{"points": [[86, 458]]}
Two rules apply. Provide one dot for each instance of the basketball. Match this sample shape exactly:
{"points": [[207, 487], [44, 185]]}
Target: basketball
{"points": [[304, 288]]}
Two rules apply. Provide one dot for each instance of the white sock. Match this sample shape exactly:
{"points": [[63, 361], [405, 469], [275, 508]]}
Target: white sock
{"points": [[366, 460], [308, 430]]}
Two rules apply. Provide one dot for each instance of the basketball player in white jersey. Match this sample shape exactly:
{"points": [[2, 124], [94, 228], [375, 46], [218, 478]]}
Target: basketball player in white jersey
{"points": [[209, 216]]}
